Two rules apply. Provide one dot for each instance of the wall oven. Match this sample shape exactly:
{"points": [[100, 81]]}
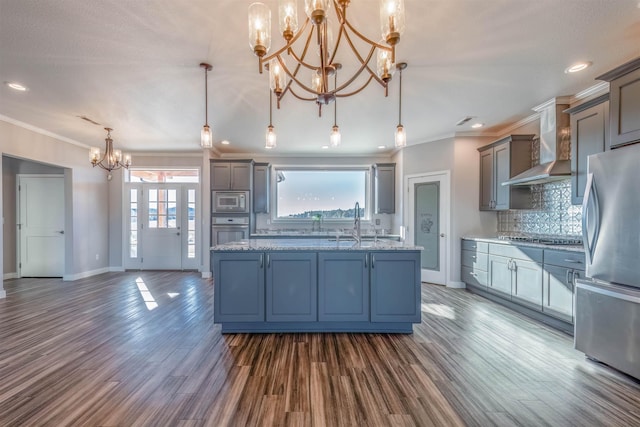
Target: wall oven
{"points": [[230, 202], [229, 229]]}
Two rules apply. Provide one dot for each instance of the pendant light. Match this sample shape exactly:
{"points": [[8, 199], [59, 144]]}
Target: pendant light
{"points": [[335, 137], [270, 137], [401, 136], [206, 137]]}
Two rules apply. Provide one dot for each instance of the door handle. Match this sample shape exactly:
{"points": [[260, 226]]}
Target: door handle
{"points": [[566, 277], [590, 195], [365, 260], [61, 231], [441, 234], [373, 261], [268, 261], [261, 260], [178, 233]]}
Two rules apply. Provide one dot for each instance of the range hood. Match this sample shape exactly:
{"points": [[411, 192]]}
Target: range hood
{"points": [[555, 146]]}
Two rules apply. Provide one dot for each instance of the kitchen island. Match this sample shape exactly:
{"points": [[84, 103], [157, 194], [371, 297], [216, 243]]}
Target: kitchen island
{"points": [[316, 285]]}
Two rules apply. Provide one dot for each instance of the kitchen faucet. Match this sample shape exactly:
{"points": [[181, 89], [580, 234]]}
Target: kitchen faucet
{"points": [[356, 224]]}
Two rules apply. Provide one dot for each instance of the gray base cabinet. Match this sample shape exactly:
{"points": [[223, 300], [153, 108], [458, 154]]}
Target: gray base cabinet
{"points": [[343, 286], [538, 282], [238, 287], [317, 291], [395, 287], [291, 287]]}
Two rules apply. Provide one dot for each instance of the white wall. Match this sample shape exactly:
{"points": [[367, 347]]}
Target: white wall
{"points": [[86, 191]]}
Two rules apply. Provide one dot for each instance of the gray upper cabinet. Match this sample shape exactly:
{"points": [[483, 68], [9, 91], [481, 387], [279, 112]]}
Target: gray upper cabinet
{"points": [[589, 135], [499, 161], [261, 188], [385, 187], [231, 175], [624, 95]]}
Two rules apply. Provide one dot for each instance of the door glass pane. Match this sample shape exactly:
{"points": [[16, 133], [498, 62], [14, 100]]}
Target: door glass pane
{"points": [[191, 223], [427, 226], [133, 223]]}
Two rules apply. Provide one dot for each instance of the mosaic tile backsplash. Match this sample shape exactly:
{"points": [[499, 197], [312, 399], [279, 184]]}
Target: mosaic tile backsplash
{"points": [[552, 214]]}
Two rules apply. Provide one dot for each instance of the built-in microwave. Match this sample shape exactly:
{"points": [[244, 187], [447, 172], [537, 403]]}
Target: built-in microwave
{"points": [[229, 201]]}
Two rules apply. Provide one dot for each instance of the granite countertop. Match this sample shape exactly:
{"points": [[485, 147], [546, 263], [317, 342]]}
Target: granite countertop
{"points": [[313, 245], [572, 248], [317, 235]]}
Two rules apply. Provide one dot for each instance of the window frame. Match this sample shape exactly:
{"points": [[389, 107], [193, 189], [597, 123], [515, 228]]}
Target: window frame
{"points": [[368, 196]]}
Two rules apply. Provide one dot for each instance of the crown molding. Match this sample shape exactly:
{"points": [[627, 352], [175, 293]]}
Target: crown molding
{"points": [[43, 132], [593, 91]]}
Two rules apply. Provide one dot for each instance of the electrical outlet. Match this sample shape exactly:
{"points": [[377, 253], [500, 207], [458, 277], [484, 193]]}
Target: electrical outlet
{"points": [[377, 221], [97, 257]]}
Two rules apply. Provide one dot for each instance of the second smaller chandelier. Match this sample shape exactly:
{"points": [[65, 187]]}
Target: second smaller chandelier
{"points": [[317, 30]]}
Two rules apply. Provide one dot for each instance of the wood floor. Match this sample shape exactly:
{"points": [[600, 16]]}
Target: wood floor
{"points": [[140, 348]]}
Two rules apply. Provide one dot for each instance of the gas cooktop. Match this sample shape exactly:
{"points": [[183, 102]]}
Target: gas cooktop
{"points": [[543, 240]]}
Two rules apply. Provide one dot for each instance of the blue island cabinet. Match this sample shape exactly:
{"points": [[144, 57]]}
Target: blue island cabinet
{"points": [[238, 280], [343, 286], [395, 287], [291, 287]]}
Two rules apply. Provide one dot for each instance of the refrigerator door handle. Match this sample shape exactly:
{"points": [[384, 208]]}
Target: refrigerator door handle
{"points": [[590, 197]]}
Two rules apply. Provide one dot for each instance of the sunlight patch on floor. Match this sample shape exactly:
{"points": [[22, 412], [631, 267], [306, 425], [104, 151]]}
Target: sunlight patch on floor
{"points": [[149, 300], [439, 310]]}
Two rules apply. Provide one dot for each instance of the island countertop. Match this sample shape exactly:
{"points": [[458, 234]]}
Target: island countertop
{"points": [[314, 245]]}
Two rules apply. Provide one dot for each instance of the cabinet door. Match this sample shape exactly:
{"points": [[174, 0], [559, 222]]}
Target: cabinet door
{"points": [[527, 283], [395, 286], [261, 189], [625, 109], [502, 161], [240, 176], [588, 136], [385, 189], [220, 176], [291, 287], [499, 275], [486, 180], [343, 286], [238, 287], [557, 292]]}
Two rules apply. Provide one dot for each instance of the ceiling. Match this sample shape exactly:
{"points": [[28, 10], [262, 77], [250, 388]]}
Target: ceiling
{"points": [[133, 65]]}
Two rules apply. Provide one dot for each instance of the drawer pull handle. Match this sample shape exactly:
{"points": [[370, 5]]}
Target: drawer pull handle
{"points": [[573, 261]]}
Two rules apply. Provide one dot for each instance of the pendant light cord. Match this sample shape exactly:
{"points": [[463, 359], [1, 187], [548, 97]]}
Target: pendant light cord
{"points": [[270, 108], [206, 98], [335, 102], [400, 103]]}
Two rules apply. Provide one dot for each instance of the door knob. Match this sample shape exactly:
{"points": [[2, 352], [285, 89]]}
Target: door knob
{"points": [[178, 233], [61, 231], [441, 234]]}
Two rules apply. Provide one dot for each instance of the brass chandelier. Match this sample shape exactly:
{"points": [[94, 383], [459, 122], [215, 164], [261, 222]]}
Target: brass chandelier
{"points": [[319, 63], [110, 159]]}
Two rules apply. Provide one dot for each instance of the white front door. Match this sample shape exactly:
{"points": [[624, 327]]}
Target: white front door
{"points": [[161, 227], [428, 223], [41, 225]]}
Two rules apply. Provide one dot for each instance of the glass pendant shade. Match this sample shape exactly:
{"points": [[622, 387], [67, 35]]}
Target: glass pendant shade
{"points": [[317, 10], [392, 20], [94, 155], [401, 137], [288, 18], [259, 28], [270, 138], [206, 137], [335, 137], [276, 76], [316, 82], [385, 66]]}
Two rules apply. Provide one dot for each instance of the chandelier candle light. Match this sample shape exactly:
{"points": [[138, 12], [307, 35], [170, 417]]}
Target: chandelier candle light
{"points": [[111, 159], [317, 28]]}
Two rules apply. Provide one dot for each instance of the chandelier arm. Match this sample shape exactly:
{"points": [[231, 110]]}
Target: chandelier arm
{"points": [[295, 37], [344, 95], [365, 63], [295, 79], [300, 97], [366, 39]]}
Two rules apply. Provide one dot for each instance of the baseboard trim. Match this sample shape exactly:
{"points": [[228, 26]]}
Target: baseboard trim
{"points": [[206, 275], [456, 285], [3, 294], [116, 269], [8, 276], [84, 274]]}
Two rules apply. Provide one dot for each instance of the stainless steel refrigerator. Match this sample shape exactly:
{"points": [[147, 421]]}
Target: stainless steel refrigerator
{"points": [[607, 302]]}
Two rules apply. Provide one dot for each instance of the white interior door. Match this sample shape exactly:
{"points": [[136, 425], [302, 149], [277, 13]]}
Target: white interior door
{"points": [[428, 223], [161, 226], [41, 226]]}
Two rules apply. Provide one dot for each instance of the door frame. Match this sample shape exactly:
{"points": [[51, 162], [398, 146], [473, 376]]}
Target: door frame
{"points": [[126, 186], [67, 235], [445, 207]]}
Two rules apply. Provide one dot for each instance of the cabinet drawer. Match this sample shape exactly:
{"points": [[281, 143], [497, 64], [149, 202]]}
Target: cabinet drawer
{"points": [[567, 259], [474, 278], [519, 252], [472, 245], [475, 260]]}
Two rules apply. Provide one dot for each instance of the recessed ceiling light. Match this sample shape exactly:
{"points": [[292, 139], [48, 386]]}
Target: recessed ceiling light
{"points": [[578, 66], [225, 142], [325, 147], [16, 86], [381, 147], [477, 125]]}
